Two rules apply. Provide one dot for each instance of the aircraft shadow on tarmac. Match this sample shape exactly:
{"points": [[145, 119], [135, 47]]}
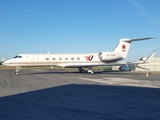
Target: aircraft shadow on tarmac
{"points": [[83, 102]]}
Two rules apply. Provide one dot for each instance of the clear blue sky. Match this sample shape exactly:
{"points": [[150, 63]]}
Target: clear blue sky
{"points": [[78, 26]]}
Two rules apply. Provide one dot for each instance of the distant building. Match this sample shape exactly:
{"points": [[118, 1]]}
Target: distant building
{"points": [[3, 59], [154, 65]]}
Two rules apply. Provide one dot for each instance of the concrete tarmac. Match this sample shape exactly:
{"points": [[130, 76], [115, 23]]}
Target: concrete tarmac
{"points": [[48, 95]]}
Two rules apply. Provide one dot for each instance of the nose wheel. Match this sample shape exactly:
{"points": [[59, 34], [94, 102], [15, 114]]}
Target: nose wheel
{"points": [[16, 73]]}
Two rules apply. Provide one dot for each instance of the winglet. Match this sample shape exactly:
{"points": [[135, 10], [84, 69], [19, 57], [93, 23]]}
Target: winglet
{"points": [[150, 57]]}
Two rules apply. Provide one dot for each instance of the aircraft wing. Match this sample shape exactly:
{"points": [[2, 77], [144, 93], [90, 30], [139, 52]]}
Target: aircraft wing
{"points": [[140, 62], [76, 65], [147, 60]]}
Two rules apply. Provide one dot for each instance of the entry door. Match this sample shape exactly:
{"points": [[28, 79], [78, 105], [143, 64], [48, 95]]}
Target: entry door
{"points": [[35, 59]]}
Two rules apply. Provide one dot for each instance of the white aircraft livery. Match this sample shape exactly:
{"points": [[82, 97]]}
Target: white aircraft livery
{"points": [[79, 61]]}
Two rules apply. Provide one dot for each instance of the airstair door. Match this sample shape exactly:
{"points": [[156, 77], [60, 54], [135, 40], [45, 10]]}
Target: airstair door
{"points": [[35, 60]]}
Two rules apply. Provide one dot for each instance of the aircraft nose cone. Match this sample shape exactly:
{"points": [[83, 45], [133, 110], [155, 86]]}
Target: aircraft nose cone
{"points": [[6, 63], [3, 63]]}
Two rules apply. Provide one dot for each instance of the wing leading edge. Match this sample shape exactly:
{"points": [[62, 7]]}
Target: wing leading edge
{"points": [[109, 64]]}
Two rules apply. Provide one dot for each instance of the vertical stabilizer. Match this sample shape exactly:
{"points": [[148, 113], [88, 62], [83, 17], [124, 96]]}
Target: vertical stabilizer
{"points": [[124, 45]]}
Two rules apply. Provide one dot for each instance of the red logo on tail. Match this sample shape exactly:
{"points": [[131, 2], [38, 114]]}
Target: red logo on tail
{"points": [[89, 58], [123, 47]]}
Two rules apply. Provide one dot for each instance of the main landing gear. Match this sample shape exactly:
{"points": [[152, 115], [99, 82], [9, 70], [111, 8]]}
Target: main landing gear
{"points": [[17, 70], [83, 71], [90, 70]]}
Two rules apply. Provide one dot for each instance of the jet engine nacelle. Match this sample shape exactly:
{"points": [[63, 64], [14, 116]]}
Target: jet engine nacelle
{"points": [[109, 56]]}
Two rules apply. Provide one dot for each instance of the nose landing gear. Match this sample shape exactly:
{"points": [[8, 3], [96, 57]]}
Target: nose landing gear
{"points": [[17, 70]]}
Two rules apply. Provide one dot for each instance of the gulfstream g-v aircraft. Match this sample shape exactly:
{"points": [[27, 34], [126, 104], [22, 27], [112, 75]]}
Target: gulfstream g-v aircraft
{"points": [[79, 61]]}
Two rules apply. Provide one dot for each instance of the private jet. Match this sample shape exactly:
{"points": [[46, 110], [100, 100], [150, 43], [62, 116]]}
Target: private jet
{"points": [[79, 61]]}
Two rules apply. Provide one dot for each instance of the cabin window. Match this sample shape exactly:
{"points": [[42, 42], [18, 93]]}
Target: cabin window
{"points": [[53, 58], [60, 58], [72, 58], [78, 58], [47, 59], [66, 58]]}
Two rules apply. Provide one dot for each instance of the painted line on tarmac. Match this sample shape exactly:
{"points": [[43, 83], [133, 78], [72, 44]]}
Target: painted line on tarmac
{"points": [[124, 82]]}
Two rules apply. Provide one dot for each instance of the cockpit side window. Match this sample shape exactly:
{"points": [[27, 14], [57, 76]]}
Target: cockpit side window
{"points": [[15, 56], [18, 56]]}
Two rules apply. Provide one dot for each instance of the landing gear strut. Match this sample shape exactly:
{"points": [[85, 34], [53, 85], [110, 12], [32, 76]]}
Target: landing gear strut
{"points": [[81, 70], [17, 70]]}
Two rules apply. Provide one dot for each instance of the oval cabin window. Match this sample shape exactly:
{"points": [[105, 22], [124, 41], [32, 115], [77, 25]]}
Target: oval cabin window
{"points": [[72, 58], [78, 58]]}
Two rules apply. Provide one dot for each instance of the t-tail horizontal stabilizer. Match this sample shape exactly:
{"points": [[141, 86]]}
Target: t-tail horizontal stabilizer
{"points": [[137, 39], [124, 45]]}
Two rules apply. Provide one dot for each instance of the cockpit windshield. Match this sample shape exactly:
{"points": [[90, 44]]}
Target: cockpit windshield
{"points": [[18, 56]]}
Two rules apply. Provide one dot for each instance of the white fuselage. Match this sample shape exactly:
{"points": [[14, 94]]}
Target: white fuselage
{"points": [[64, 60], [75, 60]]}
